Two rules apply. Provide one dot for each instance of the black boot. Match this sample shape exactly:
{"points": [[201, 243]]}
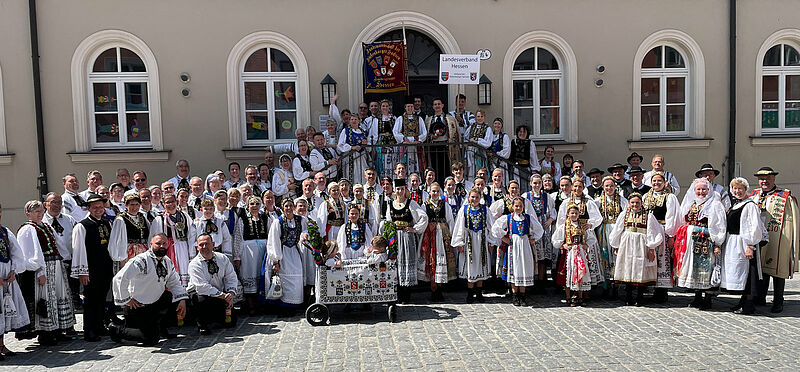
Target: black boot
{"points": [[523, 299], [640, 296], [438, 295], [479, 295], [660, 295], [629, 295], [747, 307], [706, 303], [698, 300], [470, 298]]}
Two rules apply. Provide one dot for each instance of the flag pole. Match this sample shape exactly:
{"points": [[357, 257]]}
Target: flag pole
{"points": [[405, 52]]}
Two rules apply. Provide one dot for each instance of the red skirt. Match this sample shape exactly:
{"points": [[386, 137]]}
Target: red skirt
{"points": [[561, 274]]}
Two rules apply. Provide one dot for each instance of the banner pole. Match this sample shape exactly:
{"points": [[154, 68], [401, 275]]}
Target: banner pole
{"points": [[405, 52]]}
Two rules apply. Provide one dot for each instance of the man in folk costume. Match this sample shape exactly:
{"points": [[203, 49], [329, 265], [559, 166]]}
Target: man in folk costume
{"points": [[636, 175], [410, 129], [464, 118], [147, 286], [442, 128], [778, 257], [617, 172], [93, 266], [658, 166], [74, 204]]}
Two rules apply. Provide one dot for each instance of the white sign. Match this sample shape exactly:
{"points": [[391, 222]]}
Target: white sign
{"points": [[459, 68], [484, 54]]}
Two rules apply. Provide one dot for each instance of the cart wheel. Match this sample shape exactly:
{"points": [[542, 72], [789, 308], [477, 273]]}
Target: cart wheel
{"points": [[393, 313], [317, 314]]}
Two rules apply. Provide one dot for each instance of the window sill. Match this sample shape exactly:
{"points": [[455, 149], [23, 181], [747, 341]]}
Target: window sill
{"points": [[560, 146], [119, 156], [245, 153], [775, 140], [669, 143], [6, 159]]}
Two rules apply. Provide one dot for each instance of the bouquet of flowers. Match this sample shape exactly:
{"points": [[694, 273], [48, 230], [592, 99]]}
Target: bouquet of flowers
{"points": [[391, 237], [315, 242]]}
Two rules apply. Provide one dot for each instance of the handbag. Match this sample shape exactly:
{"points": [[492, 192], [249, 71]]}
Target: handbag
{"points": [[716, 276], [9, 308], [275, 290], [41, 308]]}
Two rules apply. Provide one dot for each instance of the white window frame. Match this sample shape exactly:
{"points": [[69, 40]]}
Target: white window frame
{"points": [[118, 79], [82, 90], [535, 76], [695, 84], [237, 77], [568, 85], [269, 78], [781, 72], [662, 74], [3, 142]]}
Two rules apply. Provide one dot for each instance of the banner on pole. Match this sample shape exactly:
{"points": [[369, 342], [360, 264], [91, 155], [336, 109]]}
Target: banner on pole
{"points": [[459, 68], [385, 68]]}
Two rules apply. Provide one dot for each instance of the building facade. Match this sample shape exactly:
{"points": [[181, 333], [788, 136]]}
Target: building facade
{"points": [[145, 85]]}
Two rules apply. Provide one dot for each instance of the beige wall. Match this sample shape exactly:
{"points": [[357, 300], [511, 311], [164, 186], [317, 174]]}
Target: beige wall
{"points": [[197, 36]]}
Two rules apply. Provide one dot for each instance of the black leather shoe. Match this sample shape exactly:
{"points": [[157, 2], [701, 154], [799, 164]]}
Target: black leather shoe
{"points": [[165, 333], [742, 311], [91, 336], [204, 331], [776, 308], [115, 333]]}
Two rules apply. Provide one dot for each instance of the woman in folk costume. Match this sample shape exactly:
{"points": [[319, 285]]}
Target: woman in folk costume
{"points": [[231, 222], [268, 207], [177, 225], [611, 204], [590, 218], [332, 213], [500, 147], [12, 262], [209, 224], [449, 195], [545, 209], [283, 183], [301, 165], [496, 189], [437, 261], [353, 139], [130, 232], [355, 235], [38, 243], [665, 207], [635, 235], [523, 153], [741, 264], [548, 164], [698, 241], [519, 230], [472, 236], [416, 190], [564, 191], [255, 229], [366, 210], [382, 135], [409, 220], [410, 129], [479, 135], [345, 188], [573, 236], [285, 255]]}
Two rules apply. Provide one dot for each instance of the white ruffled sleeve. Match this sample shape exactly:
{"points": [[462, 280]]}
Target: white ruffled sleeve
{"points": [[459, 234], [717, 222], [80, 263], [749, 225], [297, 170], [118, 244], [672, 221], [616, 233], [536, 230], [500, 227], [29, 242], [558, 236], [595, 218], [15, 251], [655, 232], [274, 246], [505, 152], [420, 217], [280, 185]]}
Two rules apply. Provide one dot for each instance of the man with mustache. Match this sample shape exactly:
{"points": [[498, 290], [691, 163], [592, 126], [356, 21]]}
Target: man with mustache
{"points": [[141, 287]]}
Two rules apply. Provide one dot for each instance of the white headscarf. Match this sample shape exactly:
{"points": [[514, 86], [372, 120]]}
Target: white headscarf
{"points": [[742, 180], [692, 198]]}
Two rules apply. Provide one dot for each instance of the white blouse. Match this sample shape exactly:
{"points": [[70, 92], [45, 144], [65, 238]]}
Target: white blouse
{"points": [[206, 284], [138, 280]]}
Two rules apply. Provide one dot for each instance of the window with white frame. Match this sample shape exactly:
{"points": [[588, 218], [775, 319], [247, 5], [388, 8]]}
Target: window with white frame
{"points": [[664, 93], [120, 100], [269, 97], [780, 89], [537, 91]]}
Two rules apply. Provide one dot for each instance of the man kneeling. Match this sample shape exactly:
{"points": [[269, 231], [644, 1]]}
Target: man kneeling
{"points": [[212, 286], [140, 286]]}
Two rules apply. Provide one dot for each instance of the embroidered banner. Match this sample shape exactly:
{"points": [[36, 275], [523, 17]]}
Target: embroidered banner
{"points": [[358, 282], [385, 68]]}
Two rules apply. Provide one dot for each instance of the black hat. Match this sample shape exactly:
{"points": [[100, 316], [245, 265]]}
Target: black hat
{"points": [[634, 155], [616, 166], [635, 169], [409, 100], [706, 167], [766, 171], [400, 182], [593, 171], [94, 198]]}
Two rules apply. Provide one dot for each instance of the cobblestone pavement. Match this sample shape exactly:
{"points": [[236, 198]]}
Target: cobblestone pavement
{"points": [[456, 336]]}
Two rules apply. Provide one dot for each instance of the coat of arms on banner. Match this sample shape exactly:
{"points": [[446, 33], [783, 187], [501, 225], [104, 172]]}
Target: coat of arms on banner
{"points": [[445, 76]]}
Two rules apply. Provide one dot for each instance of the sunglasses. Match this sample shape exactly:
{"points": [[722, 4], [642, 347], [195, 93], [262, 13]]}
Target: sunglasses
{"points": [[255, 204], [140, 180], [362, 108]]}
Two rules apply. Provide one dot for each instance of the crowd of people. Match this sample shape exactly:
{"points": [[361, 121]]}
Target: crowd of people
{"points": [[206, 249]]}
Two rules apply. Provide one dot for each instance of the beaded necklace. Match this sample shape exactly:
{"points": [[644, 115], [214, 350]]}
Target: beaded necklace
{"points": [[573, 235], [138, 224], [651, 200], [610, 209]]}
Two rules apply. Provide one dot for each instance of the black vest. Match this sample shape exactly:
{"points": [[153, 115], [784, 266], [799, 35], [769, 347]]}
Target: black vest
{"points": [[660, 213], [734, 218], [134, 234], [521, 150], [97, 257], [436, 216], [402, 214], [259, 231]]}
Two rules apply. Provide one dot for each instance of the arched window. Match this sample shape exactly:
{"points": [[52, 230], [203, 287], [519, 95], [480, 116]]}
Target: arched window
{"points": [[664, 92], [272, 116], [668, 87], [120, 101], [537, 79], [115, 93], [267, 90], [780, 89], [540, 88]]}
